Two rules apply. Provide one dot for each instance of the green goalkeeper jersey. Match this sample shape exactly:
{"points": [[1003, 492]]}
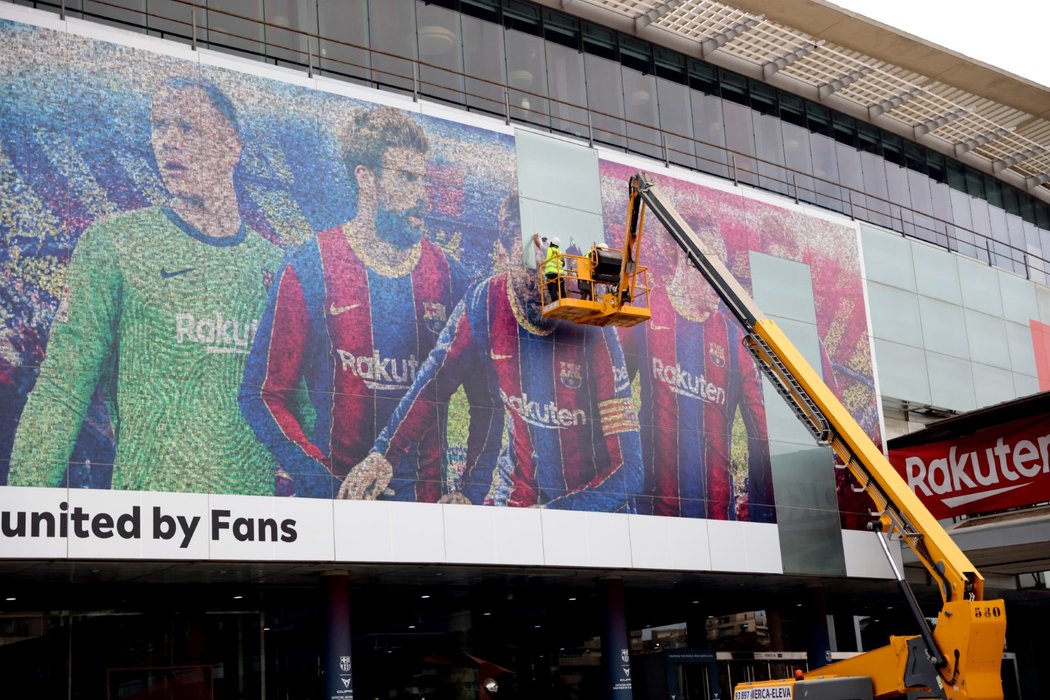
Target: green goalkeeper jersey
{"points": [[162, 317]]}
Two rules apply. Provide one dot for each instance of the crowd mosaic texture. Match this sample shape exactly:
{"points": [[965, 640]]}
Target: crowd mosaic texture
{"points": [[213, 282]]}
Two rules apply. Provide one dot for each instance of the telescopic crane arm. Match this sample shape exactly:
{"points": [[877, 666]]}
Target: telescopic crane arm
{"points": [[961, 658]]}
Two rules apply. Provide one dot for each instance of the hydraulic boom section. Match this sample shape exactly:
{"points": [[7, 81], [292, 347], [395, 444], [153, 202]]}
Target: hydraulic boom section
{"points": [[958, 660]]}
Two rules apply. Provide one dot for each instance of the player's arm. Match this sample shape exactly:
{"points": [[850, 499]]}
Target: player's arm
{"points": [[418, 413], [759, 505], [83, 336], [614, 488], [271, 390], [485, 436]]}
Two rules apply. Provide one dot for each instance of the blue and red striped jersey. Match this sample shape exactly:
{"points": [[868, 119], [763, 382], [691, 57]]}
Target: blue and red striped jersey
{"points": [[560, 398], [693, 380], [355, 337]]}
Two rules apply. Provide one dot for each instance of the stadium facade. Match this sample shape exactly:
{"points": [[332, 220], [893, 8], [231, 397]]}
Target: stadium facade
{"points": [[261, 256]]}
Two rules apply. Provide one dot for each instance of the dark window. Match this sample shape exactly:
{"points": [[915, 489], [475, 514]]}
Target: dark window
{"points": [[636, 54], [935, 166], [763, 98], [845, 128], [1010, 200], [703, 77], [818, 118], [1027, 209], [734, 86], [869, 138], [1042, 215], [793, 109], [956, 176], [522, 17], [482, 9], [994, 191], [914, 157], [561, 29], [599, 41], [974, 183], [670, 65]]}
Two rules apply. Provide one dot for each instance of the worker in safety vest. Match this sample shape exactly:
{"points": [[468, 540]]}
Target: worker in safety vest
{"points": [[553, 268]]}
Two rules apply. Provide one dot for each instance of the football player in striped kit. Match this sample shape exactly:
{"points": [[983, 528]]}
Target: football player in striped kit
{"points": [[354, 313], [558, 392], [694, 377]]}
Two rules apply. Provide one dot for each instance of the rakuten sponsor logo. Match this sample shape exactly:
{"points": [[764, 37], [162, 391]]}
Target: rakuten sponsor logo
{"points": [[378, 372], [686, 383], [543, 415], [217, 333], [976, 474]]}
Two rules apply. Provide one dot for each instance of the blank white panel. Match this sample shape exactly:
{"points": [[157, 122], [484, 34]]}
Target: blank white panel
{"points": [[936, 274], [651, 548], [690, 543], [574, 227], [753, 547], [1022, 349], [980, 287], [887, 258], [519, 535], [363, 531], [564, 538], [1019, 304], [608, 539], [557, 171], [992, 385], [417, 532], [469, 535]]}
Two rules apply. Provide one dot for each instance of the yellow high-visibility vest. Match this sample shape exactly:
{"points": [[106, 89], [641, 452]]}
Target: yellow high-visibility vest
{"points": [[551, 264]]}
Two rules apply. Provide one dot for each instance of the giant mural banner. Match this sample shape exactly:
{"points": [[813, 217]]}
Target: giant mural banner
{"points": [[212, 282], [216, 283], [693, 372]]}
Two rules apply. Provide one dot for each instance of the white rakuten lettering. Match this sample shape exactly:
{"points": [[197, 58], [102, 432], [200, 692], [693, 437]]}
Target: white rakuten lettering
{"points": [[685, 383], [217, 333], [380, 372], [968, 471], [543, 415]]}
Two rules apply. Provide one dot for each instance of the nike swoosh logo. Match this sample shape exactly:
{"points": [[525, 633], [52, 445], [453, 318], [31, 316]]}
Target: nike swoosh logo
{"points": [[975, 497], [494, 356], [168, 274], [336, 310]]}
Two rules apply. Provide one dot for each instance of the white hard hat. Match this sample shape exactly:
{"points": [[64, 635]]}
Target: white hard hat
{"points": [[555, 241]]}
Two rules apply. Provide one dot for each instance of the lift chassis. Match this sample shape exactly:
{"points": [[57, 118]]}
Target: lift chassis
{"points": [[959, 659]]}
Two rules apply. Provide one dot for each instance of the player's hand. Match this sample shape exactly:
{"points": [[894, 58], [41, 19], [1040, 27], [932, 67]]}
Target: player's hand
{"points": [[455, 497], [368, 479]]}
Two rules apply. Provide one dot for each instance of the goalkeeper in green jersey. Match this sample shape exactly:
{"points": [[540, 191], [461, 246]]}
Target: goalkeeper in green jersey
{"points": [[159, 309]]}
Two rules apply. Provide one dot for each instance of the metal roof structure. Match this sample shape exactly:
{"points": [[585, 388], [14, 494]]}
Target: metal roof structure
{"points": [[985, 117]]}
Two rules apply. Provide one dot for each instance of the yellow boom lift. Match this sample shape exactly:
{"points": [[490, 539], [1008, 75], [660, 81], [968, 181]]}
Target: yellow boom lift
{"points": [[959, 659], [605, 287]]}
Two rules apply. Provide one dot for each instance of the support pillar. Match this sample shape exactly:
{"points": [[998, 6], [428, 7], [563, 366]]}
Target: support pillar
{"points": [[337, 669], [616, 644]]}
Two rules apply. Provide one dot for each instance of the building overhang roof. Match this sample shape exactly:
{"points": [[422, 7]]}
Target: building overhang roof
{"points": [[985, 117]]}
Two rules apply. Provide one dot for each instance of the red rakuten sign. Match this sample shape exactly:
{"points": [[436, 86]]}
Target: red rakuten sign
{"points": [[1002, 467]]}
